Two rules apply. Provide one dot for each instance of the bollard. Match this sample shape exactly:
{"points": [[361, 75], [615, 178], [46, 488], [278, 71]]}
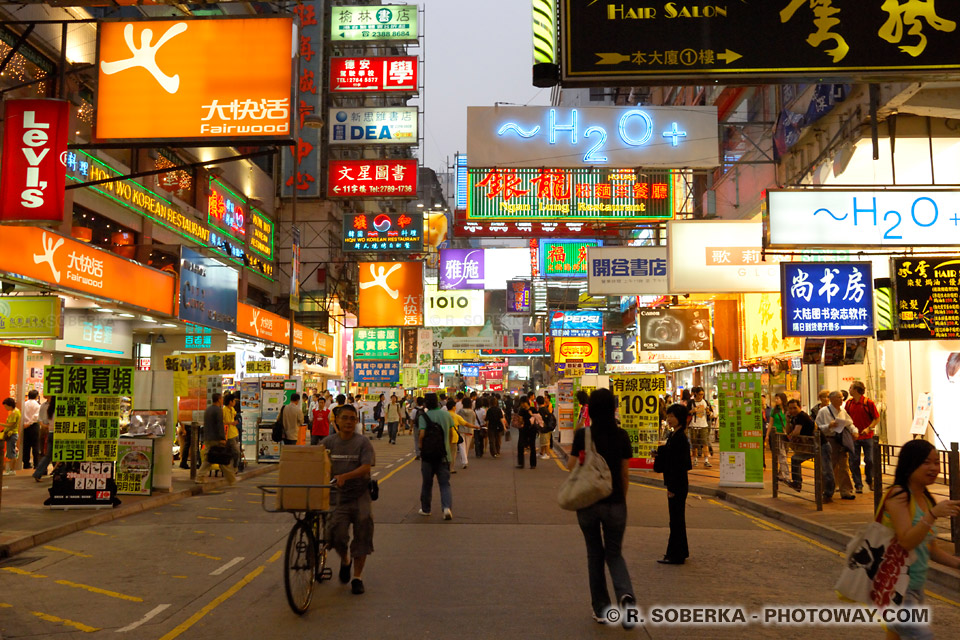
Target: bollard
{"points": [[817, 471], [775, 461], [953, 467]]}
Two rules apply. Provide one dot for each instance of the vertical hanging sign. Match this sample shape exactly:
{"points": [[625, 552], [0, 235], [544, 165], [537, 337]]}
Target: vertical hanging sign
{"points": [[33, 178], [301, 162], [741, 430], [295, 269]]}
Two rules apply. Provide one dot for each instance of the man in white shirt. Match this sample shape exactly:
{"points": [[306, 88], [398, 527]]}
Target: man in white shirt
{"points": [[31, 429], [700, 427], [837, 428]]}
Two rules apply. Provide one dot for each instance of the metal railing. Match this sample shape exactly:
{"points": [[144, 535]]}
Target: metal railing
{"points": [[797, 451]]}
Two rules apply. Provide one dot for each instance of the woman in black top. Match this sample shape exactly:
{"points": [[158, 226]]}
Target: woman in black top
{"points": [[675, 462], [604, 522]]}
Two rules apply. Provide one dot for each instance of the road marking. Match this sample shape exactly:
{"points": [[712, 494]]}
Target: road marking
{"points": [[178, 576], [387, 477], [275, 556], [24, 572], [112, 594], [647, 486], [389, 465], [221, 508], [253, 502], [4, 605], [203, 555], [65, 622], [208, 517], [226, 566], [130, 627], [779, 528], [67, 551], [192, 620], [97, 533]]}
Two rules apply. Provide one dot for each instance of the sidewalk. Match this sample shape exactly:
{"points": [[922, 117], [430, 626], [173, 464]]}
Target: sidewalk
{"points": [[834, 526], [25, 522]]}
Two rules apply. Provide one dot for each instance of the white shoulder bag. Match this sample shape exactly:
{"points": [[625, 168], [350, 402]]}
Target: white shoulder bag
{"points": [[587, 482]]}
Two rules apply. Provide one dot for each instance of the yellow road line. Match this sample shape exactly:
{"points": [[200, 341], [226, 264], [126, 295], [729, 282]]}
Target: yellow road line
{"points": [[208, 517], [387, 477], [112, 594], [24, 572], [776, 527], [275, 556], [4, 605], [203, 555], [647, 486], [192, 620], [65, 622], [97, 533], [942, 599], [67, 551], [221, 508], [178, 576]]}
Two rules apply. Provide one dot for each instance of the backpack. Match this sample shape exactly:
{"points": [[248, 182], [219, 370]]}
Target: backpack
{"points": [[277, 434], [549, 423], [433, 449]]}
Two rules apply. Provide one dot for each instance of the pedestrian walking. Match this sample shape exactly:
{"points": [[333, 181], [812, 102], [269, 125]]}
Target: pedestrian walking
{"points": [[837, 428], [528, 435], [865, 418], [604, 522], [702, 414], [351, 458], [31, 430], [800, 425], [47, 412], [378, 417], [393, 418], [778, 424], [673, 460], [435, 454], [11, 434], [911, 512], [214, 434], [319, 422], [292, 418], [231, 428], [471, 424], [583, 419]]}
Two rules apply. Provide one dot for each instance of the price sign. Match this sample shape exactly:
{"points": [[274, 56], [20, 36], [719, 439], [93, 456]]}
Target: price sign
{"points": [[101, 450], [68, 450], [573, 370], [638, 397]]}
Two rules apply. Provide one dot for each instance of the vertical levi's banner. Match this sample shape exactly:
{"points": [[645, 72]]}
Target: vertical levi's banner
{"points": [[301, 161], [741, 430], [638, 398], [33, 179], [86, 428]]}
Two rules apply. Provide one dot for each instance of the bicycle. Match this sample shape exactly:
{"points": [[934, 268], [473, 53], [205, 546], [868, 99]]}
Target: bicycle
{"points": [[305, 555]]}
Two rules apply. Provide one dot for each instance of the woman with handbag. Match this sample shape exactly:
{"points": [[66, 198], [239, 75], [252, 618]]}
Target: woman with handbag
{"points": [[673, 461], [911, 512], [604, 522]]}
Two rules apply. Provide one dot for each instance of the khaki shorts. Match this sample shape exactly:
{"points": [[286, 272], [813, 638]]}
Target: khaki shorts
{"points": [[359, 514], [545, 439]]}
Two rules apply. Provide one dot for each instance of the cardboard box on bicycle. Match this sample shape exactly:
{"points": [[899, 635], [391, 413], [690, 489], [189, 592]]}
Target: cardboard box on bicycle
{"points": [[304, 465]]}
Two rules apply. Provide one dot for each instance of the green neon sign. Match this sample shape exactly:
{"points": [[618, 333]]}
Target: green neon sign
{"points": [[376, 22]]}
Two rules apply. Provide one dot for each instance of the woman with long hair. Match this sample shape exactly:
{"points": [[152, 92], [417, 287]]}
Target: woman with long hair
{"points": [[583, 399], [778, 424], [675, 462], [47, 411], [604, 522], [911, 512]]}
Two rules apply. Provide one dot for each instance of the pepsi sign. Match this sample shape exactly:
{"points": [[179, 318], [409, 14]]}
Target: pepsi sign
{"points": [[383, 232], [374, 125]]}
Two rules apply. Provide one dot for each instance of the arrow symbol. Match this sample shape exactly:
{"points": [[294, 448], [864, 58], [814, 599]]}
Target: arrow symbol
{"points": [[729, 56], [612, 58], [859, 328]]}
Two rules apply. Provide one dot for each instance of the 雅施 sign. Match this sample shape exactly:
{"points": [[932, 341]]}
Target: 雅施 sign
{"points": [[461, 269], [827, 299]]}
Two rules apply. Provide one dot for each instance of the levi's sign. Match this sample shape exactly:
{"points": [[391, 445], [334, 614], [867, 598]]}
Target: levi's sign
{"points": [[32, 180], [568, 137], [847, 218]]}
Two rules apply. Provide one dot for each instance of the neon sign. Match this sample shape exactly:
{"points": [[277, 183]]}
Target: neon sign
{"points": [[225, 209]]}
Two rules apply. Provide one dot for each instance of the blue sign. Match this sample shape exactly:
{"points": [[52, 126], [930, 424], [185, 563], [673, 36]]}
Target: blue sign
{"points": [[576, 324], [471, 370], [376, 371], [208, 291], [827, 299]]}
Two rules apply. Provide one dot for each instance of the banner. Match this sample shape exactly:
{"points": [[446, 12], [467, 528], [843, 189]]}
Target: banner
{"points": [[639, 401], [461, 269], [211, 364], [741, 430], [32, 179], [300, 163], [395, 23], [383, 232], [366, 178], [374, 75], [373, 125], [31, 317], [376, 371], [135, 466]]}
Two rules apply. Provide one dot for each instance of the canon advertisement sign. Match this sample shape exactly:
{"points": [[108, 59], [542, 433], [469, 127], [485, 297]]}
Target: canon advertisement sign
{"points": [[33, 176]]}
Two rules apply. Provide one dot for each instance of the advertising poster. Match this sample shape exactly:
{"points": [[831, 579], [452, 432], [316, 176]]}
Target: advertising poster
{"points": [[377, 371], [741, 430], [376, 344], [566, 409], [210, 364], [927, 290], [638, 398], [135, 466], [674, 334], [267, 449], [272, 398], [250, 410]]}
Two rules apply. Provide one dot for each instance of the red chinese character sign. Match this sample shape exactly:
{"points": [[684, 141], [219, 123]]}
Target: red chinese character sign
{"points": [[531, 229], [391, 74], [227, 210], [390, 294], [569, 194], [383, 232], [365, 178], [301, 161], [33, 177]]}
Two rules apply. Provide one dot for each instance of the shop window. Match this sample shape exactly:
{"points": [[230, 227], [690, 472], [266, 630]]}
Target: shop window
{"points": [[25, 66]]}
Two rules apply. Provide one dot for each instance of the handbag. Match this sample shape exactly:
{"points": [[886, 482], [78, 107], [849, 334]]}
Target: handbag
{"points": [[875, 570], [659, 460], [588, 482], [374, 488], [219, 454]]}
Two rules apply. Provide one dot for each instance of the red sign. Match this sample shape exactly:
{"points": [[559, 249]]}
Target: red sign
{"points": [[33, 177], [373, 74], [510, 229], [365, 178], [227, 210]]}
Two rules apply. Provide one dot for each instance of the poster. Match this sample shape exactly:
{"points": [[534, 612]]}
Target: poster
{"points": [[565, 408], [135, 466], [83, 485], [250, 410], [921, 416], [267, 449], [272, 398], [741, 430], [638, 398], [927, 297], [408, 377]]}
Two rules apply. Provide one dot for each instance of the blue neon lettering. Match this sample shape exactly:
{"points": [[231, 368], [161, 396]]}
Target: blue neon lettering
{"points": [[513, 126], [554, 127], [675, 134], [913, 212], [648, 129], [590, 157], [857, 210]]}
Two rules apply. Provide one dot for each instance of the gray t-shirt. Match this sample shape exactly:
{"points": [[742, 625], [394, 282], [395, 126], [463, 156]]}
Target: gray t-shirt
{"points": [[347, 455]]}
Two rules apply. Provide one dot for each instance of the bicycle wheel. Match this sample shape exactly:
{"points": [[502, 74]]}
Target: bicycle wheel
{"points": [[300, 563], [318, 525]]}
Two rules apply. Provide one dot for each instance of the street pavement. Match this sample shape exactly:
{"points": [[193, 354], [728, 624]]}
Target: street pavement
{"points": [[510, 564]]}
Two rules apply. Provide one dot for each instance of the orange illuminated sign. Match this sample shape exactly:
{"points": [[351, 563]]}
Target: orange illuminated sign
{"points": [[66, 264], [269, 327], [391, 294], [584, 349], [183, 79], [307, 339]]}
